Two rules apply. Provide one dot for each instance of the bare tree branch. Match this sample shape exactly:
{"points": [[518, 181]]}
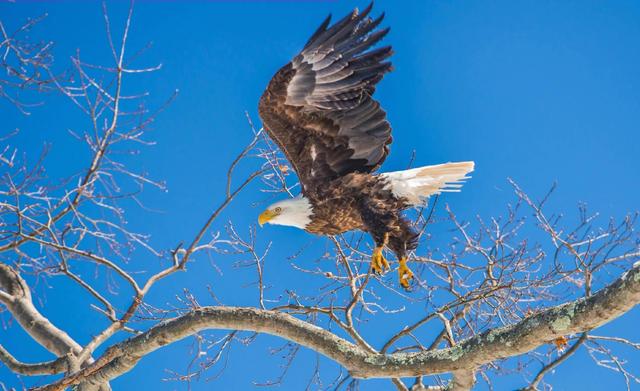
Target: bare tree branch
{"points": [[573, 317], [17, 298], [44, 368], [563, 357]]}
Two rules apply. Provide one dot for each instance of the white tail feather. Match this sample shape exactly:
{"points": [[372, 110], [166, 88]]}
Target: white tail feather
{"points": [[417, 184]]}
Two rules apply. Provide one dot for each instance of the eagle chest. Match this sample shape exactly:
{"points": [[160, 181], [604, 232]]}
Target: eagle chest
{"points": [[334, 216]]}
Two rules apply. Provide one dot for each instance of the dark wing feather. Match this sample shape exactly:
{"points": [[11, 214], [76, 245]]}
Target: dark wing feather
{"points": [[318, 108]]}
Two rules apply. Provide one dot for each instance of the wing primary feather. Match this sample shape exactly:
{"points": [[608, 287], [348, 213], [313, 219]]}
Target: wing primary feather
{"points": [[369, 24], [321, 29], [344, 28], [323, 98], [360, 34], [371, 40], [325, 35]]}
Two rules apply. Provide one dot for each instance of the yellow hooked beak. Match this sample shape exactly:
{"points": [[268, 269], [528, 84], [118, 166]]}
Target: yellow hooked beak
{"points": [[266, 216]]}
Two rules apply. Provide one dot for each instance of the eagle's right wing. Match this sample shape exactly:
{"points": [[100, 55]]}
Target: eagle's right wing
{"points": [[318, 108]]}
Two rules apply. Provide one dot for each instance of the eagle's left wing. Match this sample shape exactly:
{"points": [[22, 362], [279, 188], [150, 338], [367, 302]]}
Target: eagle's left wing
{"points": [[318, 108]]}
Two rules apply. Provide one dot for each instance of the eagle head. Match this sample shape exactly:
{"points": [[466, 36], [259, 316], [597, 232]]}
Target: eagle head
{"points": [[294, 212]]}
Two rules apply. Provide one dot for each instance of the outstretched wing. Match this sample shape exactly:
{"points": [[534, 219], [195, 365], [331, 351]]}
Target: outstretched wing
{"points": [[318, 108]]}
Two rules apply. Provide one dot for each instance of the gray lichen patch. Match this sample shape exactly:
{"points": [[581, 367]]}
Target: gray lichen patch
{"points": [[561, 324], [452, 354], [376, 359], [492, 335], [562, 317], [344, 346], [456, 352]]}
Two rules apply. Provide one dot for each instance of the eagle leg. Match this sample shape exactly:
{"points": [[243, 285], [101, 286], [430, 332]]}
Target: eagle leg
{"points": [[379, 263], [401, 242], [404, 273]]}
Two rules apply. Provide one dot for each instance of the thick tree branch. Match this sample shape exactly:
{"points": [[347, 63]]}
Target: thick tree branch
{"points": [[463, 380], [573, 317], [44, 368], [16, 296], [17, 299]]}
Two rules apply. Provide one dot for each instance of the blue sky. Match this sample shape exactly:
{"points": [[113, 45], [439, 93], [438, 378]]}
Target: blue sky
{"points": [[537, 91]]}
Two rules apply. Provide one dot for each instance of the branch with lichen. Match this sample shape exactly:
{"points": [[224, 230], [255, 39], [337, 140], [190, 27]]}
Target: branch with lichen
{"points": [[577, 316]]}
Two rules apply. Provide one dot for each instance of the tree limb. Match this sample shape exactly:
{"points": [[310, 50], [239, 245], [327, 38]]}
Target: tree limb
{"points": [[463, 380], [16, 296], [577, 316], [44, 368], [18, 301]]}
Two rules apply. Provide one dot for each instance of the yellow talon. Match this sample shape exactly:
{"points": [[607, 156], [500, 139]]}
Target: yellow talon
{"points": [[378, 262], [404, 273]]}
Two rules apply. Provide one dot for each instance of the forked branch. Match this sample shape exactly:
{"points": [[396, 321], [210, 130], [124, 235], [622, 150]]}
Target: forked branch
{"points": [[573, 317]]}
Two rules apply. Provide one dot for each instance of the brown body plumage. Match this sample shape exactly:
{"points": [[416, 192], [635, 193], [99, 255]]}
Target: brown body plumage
{"points": [[361, 201]]}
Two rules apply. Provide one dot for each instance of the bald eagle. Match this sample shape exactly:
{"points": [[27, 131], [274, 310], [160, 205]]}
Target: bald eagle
{"points": [[319, 110]]}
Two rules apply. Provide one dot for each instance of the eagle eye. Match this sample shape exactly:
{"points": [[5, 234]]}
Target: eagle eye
{"points": [[278, 209]]}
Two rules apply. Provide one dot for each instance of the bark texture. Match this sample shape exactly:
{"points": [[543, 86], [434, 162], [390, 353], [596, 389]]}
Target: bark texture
{"points": [[573, 317], [16, 296], [18, 301]]}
